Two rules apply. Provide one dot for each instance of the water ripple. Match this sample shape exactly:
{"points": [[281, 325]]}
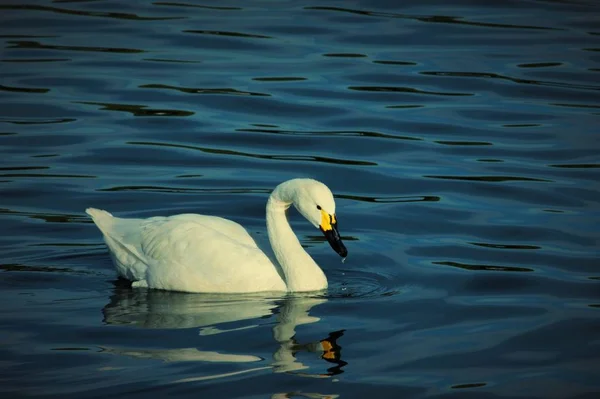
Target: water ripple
{"points": [[37, 45], [505, 246], [540, 65], [334, 133], [24, 168], [577, 166], [475, 267], [259, 156], [173, 4], [23, 89], [191, 90], [118, 15], [28, 36], [387, 89], [17, 267], [48, 175], [423, 198], [350, 283], [345, 55], [279, 79], [462, 143], [389, 62], [48, 217], [35, 60], [137, 110], [515, 80], [224, 33], [576, 105], [469, 385], [489, 179], [164, 189], [429, 18], [36, 121], [172, 61]]}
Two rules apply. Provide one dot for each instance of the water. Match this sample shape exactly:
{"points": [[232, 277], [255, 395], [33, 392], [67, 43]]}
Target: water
{"points": [[461, 142]]}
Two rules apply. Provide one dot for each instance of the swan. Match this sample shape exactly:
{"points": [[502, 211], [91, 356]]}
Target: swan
{"points": [[209, 254]]}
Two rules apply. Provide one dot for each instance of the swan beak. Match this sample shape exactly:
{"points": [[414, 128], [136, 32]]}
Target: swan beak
{"points": [[329, 228]]}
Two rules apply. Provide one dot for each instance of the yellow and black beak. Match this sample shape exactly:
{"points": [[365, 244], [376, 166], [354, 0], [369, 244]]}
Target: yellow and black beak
{"points": [[329, 228]]}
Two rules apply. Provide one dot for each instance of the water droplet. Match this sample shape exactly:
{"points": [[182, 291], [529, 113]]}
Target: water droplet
{"points": [[343, 260]]}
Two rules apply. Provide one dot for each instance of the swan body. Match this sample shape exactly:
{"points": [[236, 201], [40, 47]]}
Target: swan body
{"points": [[199, 253]]}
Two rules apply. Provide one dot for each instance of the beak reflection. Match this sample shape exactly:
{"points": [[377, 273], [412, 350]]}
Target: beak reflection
{"points": [[329, 228]]}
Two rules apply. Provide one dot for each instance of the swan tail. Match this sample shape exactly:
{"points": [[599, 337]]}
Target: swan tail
{"points": [[130, 263], [101, 218]]}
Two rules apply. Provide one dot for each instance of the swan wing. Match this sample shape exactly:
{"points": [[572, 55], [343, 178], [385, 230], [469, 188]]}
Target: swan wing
{"points": [[179, 237], [198, 253], [188, 252]]}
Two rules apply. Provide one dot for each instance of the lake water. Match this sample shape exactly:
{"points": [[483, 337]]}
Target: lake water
{"points": [[462, 144]]}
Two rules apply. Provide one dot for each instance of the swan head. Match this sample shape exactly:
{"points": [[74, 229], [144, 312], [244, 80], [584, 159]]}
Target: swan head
{"points": [[315, 202]]}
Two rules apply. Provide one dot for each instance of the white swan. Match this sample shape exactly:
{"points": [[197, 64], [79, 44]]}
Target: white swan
{"points": [[199, 253]]}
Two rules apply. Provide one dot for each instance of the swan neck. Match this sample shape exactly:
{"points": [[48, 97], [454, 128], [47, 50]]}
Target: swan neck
{"points": [[300, 270]]}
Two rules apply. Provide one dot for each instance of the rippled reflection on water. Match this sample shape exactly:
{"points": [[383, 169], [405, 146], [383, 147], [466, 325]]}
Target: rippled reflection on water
{"points": [[460, 141]]}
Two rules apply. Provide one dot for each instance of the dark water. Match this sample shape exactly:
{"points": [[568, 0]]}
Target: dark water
{"points": [[462, 142]]}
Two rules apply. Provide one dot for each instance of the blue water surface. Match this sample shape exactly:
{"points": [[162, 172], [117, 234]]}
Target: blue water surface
{"points": [[461, 140]]}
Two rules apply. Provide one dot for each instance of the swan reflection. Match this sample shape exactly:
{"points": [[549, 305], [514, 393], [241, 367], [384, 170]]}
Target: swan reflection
{"points": [[211, 313], [308, 395]]}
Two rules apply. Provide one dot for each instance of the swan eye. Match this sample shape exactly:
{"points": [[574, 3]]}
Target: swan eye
{"points": [[319, 207]]}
